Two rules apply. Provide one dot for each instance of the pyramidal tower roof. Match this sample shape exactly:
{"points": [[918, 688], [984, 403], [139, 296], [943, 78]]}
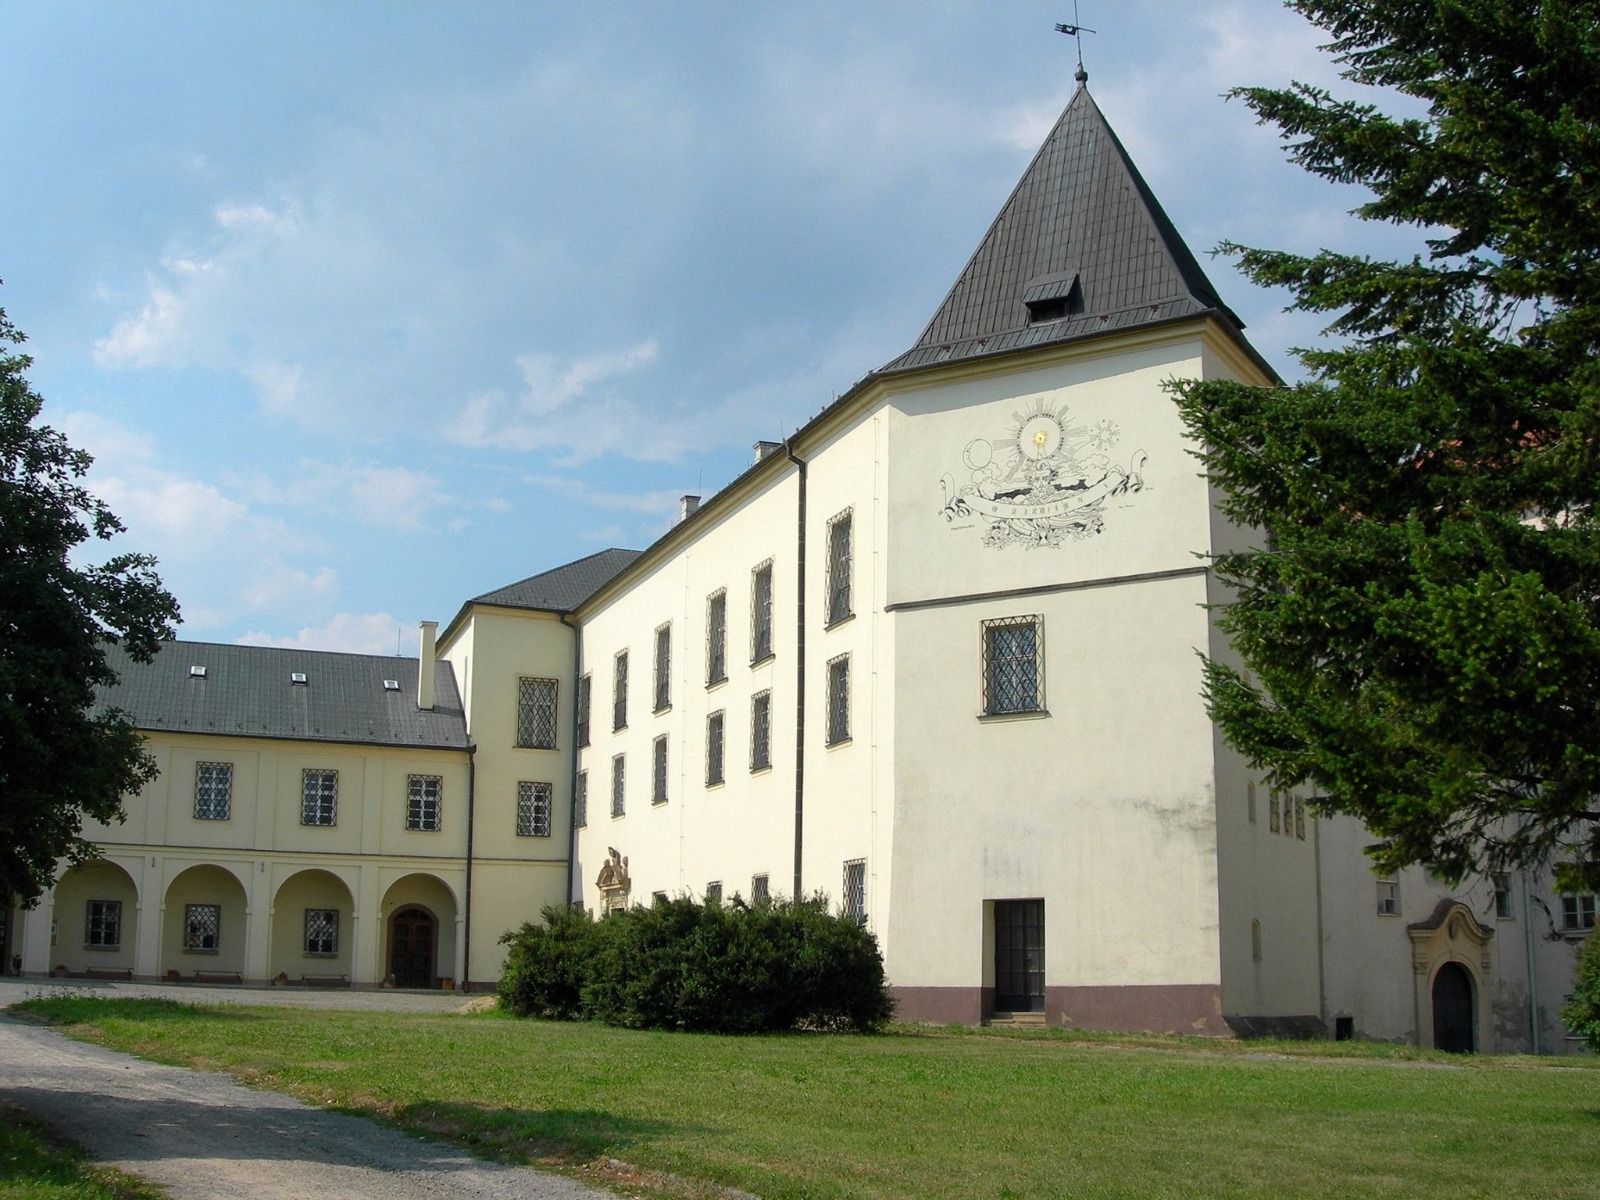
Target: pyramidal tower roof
{"points": [[1081, 249]]}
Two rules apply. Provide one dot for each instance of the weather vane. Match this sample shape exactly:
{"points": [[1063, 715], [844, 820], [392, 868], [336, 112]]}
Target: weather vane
{"points": [[1076, 32]]}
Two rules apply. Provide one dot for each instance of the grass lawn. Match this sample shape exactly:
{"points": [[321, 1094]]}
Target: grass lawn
{"points": [[36, 1165], [914, 1114]]}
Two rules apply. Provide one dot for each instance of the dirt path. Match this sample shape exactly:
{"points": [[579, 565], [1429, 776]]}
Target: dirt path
{"points": [[205, 1137]]}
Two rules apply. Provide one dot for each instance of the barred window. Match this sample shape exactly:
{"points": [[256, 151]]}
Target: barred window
{"points": [[664, 667], [716, 637], [714, 748], [760, 891], [580, 801], [322, 932], [536, 714], [1389, 897], [839, 605], [761, 612], [422, 802], [839, 699], [533, 809], [618, 771], [761, 731], [202, 925], [1274, 806], [102, 925], [319, 797], [213, 791], [619, 691], [1013, 665], [1299, 819], [714, 893], [583, 711], [854, 903], [658, 771]]}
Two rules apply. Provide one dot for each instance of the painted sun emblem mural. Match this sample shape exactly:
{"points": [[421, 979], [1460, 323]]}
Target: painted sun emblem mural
{"points": [[1046, 483]]}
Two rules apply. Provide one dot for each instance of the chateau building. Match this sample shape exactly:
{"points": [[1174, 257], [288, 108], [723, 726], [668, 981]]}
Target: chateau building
{"points": [[934, 655]]}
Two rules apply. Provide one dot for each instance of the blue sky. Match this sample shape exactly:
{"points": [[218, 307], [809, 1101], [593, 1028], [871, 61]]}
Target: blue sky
{"points": [[366, 308]]}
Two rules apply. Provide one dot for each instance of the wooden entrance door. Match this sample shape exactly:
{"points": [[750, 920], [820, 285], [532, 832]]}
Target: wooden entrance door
{"points": [[1452, 1010], [412, 935], [1019, 955]]}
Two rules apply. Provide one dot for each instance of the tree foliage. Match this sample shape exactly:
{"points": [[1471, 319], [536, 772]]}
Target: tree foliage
{"points": [[1420, 636], [60, 759], [1581, 1014]]}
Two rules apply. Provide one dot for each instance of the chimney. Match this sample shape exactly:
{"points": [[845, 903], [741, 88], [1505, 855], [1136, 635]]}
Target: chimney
{"points": [[765, 450], [425, 667], [687, 507]]}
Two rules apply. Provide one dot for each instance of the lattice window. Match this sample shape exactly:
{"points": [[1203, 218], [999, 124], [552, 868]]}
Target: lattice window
{"points": [[319, 797], [580, 801], [619, 691], [1300, 818], [322, 932], [761, 613], [536, 714], [658, 771], [102, 925], [716, 637], [423, 793], [854, 902], [202, 927], [839, 699], [533, 809], [583, 711], [663, 665], [760, 890], [761, 731], [839, 552], [1013, 665], [714, 893], [714, 773], [1274, 808], [618, 774], [1389, 897], [213, 791]]}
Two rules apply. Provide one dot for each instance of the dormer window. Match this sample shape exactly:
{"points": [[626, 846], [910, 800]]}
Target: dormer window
{"points": [[1052, 297], [298, 677]]}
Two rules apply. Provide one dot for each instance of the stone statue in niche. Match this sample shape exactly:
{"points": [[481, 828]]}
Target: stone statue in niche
{"points": [[1045, 484]]}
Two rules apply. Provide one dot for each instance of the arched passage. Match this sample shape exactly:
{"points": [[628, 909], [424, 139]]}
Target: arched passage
{"points": [[96, 915], [313, 925], [419, 931], [203, 925], [1453, 1009]]}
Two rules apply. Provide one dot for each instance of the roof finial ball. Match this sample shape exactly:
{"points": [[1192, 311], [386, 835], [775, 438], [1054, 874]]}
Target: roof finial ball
{"points": [[1076, 32]]}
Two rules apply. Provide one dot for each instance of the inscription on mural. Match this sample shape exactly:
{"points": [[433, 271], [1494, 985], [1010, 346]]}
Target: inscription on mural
{"points": [[1048, 482]]}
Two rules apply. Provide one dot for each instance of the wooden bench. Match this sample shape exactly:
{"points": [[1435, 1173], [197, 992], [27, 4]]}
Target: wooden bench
{"points": [[109, 973], [218, 977], [326, 981]]}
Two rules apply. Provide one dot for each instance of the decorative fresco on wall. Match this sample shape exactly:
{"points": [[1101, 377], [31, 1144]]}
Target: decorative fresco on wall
{"points": [[1046, 483]]}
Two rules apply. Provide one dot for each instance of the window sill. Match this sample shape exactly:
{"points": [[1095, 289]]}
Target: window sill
{"points": [[103, 949], [199, 950], [843, 619], [713, 684], [198, 817], [661, 803], [763, 660], [1027, 714], [763, 769], [657, 711], [416, 829], [714, 785], [837, 743], [323, 955]]}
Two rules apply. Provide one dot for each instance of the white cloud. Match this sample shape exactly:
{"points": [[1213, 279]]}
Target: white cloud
{"points": [[353, 633], [372, 494]]}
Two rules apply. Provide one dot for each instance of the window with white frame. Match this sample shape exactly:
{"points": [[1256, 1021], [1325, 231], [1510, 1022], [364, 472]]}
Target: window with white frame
{"points": [[619, 691], [760, 890], [714, 893], [854, 896], [422, 802], [761, 731], [580, 800], [1503, 910], [202, 928], [536, 713], [838, 713], [1013, 665], [102, 925], [322, 932], [761, 613], [1577, 912], [658, 771], [1388, 896], [213, 791], [619, 766], [319, 797], [716, 637], [533, 809], [714, 726], [839, 552], [583, 711], [663, 664]]}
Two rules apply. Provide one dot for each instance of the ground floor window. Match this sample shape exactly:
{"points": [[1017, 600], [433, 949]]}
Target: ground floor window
{"points": [[1019, 955], [322, 931], [760, 890], [714, 892], [855, 889], [1577, 912], [102, 927], [202, 927]]}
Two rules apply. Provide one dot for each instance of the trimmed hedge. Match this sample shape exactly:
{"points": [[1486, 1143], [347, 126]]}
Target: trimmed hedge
{"points": [[708, 967]]}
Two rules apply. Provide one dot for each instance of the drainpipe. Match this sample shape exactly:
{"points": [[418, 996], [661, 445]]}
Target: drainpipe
{"points": [[466, 931], [572, 775], [1527, 939], [800, 669]]}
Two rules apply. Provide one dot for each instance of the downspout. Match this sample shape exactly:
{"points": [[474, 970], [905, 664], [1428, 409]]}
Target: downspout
{"points": [[800, 669], [466, 933], [1527, 939], [572, 774]]}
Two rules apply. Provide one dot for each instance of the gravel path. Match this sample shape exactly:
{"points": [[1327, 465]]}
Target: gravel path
{"points": [[203, 1136]]}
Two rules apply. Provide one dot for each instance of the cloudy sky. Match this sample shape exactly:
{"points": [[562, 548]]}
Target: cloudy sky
{"points": [[366, 308]]}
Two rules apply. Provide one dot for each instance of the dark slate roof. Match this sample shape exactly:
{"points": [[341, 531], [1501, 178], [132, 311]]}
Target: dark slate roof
{"points": [[246, 692], [562, 589], [1081, 210]]}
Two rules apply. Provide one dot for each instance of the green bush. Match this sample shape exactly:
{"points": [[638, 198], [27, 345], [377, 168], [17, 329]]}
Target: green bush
{"points": [[714, 968], [1582, 1012]]}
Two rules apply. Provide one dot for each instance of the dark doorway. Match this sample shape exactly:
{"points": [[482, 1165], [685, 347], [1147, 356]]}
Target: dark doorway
{"points": [[1452, 1010], [1019, 955], [411, 946]]}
